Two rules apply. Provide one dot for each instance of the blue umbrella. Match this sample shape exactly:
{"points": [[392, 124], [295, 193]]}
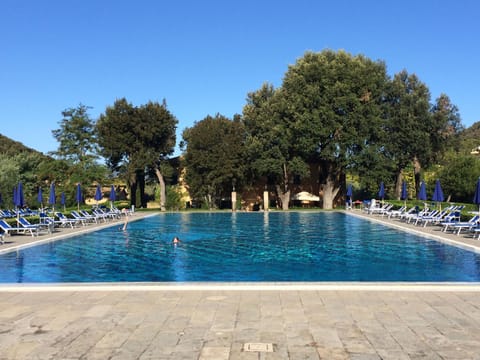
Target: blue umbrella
{"points": [[98, 194], [349, 190], [63, 201], [349, 195], [40, 197], [112, 196], [381, 192], [52, 198], [78, 195], [19, 199], [404, 193], [14, 196], [476, 198], [422, 194], [437, 192]]}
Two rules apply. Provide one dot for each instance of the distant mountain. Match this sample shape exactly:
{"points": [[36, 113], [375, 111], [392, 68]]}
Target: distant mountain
{"points": [[12, 147]]}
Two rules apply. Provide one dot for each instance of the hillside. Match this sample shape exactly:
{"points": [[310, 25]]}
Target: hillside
{"points": [[469, 138], [11, 147]]}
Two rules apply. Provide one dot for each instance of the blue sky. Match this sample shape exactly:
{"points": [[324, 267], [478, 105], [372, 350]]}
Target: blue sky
{"points": [[203, 57]]}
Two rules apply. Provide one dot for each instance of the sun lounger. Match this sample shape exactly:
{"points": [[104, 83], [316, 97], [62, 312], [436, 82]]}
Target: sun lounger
{"points": [[394, 213], [38, 227], [92, 217], [415, 215], [83, 219], [8, 229], [427, 217], [381, 210], [65, 221], [457, 226], [440, 217]]}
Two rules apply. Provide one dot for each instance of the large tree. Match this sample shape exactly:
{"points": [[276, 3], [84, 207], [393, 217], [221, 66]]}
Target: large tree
{"points": [[77, 150], [213, 157], [416, 132], [269, 143], [407, 123], [76, 136], [157, 128], [135, 139], [332, 109]]}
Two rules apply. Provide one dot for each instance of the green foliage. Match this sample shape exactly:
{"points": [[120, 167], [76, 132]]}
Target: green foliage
{"points": [[407, 121], [134, 139], [11, 147], [459, 176], [332, 105], [9, 177], [469, 140], [213, 157], [76, 136], [174, 198]]}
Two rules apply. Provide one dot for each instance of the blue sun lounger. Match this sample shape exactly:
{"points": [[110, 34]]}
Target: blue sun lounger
{"points": [[8, 229], [39, 227]]}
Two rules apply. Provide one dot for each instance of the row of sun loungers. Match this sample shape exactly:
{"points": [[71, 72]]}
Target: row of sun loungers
{"points": [[448, 218], [48, 222]]}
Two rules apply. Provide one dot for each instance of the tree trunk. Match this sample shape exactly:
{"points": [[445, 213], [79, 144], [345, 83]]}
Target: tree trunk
{"points": [[330, 191], [417, 168], [133, 193], [331, 184], [141, 185], [161, 181], [284, 197], [208, 200], [398, 184]]}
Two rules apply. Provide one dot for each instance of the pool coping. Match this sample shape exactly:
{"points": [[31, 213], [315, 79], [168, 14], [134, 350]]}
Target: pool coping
{"points": [[244, 286]]}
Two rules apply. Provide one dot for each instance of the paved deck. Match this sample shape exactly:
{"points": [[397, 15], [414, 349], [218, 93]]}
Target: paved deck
{"points": [[216, 321]]}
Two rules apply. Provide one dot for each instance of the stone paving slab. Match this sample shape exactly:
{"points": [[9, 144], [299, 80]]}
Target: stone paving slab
{"points": [[215, 324]]}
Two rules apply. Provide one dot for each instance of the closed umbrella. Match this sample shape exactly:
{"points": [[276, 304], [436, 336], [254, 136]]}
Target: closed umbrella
{"points": [[40, 198], [438, 193], [422, 194], [404, 193], [78, 196], [349, 195], [52, 197], [15, 196], [476, 198], [63, 201], [20, 201], [98, 194], [381, 192], [112, 196]]}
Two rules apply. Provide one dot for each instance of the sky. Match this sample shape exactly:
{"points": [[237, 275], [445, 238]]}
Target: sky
{"points": [[204, 57]]}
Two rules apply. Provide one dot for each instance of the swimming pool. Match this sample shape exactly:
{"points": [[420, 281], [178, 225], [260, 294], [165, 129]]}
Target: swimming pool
{"points": [[275, 246]]}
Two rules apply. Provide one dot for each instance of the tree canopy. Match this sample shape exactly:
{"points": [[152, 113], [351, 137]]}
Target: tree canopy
{"points": [[213, 158], [134, 139], [332, 109]]}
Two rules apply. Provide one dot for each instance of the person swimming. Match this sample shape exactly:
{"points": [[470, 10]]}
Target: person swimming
{"points": [[176, 240]]}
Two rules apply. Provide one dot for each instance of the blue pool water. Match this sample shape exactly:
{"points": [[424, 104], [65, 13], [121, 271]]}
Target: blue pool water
{"points": [[290, 246]]}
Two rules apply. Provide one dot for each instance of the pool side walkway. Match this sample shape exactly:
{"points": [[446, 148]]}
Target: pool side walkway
{"points": [[241, 321]]}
